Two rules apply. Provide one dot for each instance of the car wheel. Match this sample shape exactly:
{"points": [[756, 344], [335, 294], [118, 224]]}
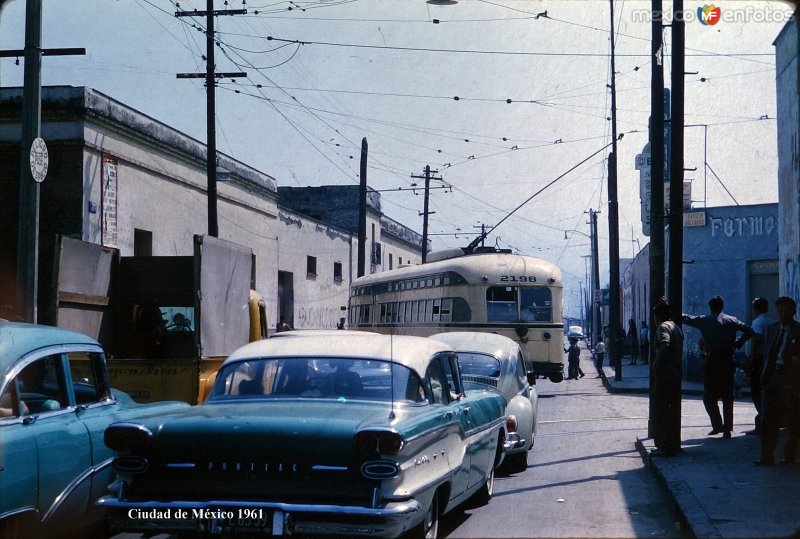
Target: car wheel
{"points": [[483, 496], [556, 378], [518, 462], [429, 527]]}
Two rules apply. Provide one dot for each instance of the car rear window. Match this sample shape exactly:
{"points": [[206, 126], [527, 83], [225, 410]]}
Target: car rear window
{"points": [[317, 378], [476, 364]]}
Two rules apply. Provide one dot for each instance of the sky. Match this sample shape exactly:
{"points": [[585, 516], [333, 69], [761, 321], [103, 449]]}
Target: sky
{"points": [[531, 78]]}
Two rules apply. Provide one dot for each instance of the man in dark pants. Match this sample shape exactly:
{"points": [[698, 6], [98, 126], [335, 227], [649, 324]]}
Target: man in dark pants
{"points": [[719, 332], [781, 382], [667, 382], [755, 357]]}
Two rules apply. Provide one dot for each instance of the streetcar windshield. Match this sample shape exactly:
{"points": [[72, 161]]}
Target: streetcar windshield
{"points": [[519, 304]]}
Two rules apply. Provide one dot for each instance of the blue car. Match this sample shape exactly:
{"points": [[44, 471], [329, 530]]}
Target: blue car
{"points": [[55, 404]]}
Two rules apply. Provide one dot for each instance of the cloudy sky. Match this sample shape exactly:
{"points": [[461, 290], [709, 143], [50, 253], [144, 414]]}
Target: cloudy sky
{"points": [[323, 74]]}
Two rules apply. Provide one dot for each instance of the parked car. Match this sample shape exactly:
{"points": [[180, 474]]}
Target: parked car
{"points": [[314, 432], [495, 360], [55, 404], [576, 332]]}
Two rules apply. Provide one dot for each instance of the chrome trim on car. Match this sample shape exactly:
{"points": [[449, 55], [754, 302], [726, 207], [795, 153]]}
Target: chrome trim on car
{"points": [[64, 494], [325, 468], [513, 441], [181, 465], [392, 509], [19, 511], [131, 464], [380, 469]]}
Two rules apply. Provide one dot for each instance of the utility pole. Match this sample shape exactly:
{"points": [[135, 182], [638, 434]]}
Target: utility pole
{"points": [[597, 327], [211, 97], [27, 283], [676, 163], [427, 177], [668, 429], [657, 179], [362, 211], [613, 225]]}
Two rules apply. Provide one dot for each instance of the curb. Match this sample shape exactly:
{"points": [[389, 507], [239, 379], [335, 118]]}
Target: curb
{"points": [[694, 518]]}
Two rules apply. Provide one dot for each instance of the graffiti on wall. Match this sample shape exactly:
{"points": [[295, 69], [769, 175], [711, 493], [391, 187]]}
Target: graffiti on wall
{"points": [[792, 272], [317, 317], [753, 225]]}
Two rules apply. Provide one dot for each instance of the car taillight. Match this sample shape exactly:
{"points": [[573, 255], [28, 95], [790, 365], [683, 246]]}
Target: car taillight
{"points": [[383, 442], [511, 424], [127, 437]]}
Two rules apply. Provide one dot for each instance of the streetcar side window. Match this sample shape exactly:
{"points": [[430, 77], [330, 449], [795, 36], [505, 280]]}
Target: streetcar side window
{"points": [[501, 304], [536, 304]]}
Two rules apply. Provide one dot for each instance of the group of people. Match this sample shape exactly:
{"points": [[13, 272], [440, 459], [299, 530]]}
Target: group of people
{"points": [[773, 364]]}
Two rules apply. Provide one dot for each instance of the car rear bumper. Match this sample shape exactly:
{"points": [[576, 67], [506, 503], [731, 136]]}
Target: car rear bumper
{"points": [[544, 368], [513, 441], [285, 518]]}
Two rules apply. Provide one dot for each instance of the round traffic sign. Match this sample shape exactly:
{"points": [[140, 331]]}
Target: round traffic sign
{"points": [[39, 160]]}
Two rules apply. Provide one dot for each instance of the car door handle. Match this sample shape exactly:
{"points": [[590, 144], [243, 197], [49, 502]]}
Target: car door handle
{"points": [[465, 411], [80, 408], [29, 420], [448, 415]]}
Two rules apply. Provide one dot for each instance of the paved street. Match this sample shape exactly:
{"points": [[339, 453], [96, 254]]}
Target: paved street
{"points": [[585, 476]]}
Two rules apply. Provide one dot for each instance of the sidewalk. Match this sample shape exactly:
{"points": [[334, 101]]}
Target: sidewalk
{"points": [[713, 482]]}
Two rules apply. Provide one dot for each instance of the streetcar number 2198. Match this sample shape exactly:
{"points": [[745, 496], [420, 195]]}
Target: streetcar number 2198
{"points": [[517, 279]]}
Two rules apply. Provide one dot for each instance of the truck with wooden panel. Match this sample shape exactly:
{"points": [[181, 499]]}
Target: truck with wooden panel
{"points": [[167, 322]]}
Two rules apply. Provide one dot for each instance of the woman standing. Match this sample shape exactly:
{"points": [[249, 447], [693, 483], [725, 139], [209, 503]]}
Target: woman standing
{"points": [[632, 340], [644, 342]]}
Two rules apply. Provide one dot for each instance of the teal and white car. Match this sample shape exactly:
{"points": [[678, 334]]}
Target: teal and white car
{"points": [[55, 404], [496, 361], [314, 432]]}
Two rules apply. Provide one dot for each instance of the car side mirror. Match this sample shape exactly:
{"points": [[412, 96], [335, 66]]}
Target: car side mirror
{"points": [[531, 378]]}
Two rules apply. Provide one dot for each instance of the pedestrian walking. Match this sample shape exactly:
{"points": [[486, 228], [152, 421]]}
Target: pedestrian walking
{"points": [[632, 341], [781, 382], [755, 357], [720, 334], [667, 375], [574, 360], [644, 343], [599, 357]]}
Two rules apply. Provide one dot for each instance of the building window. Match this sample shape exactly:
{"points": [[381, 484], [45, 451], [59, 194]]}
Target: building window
{"points": [[311, 266], [390, 260], [337, 272], [399, 261], [142, 242]]}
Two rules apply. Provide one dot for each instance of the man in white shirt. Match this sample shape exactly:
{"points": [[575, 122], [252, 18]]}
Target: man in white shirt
{"points": [[755, 357], [599, 356]]}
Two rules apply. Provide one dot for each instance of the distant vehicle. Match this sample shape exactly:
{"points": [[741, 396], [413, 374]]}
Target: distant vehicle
{"points": [[494, 360], [576, 332], [55, 404], [492, 290], [315, 433]]}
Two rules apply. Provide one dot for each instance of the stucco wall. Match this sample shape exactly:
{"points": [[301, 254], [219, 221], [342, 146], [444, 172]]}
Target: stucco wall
{"points": [[786, 84]]}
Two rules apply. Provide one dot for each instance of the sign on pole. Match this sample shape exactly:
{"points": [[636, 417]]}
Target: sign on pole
{"points": [[39, 160]]}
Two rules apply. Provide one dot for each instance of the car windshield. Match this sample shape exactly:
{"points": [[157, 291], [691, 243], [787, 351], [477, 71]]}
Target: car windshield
{"points": [[317, 378], [475, 364]]}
